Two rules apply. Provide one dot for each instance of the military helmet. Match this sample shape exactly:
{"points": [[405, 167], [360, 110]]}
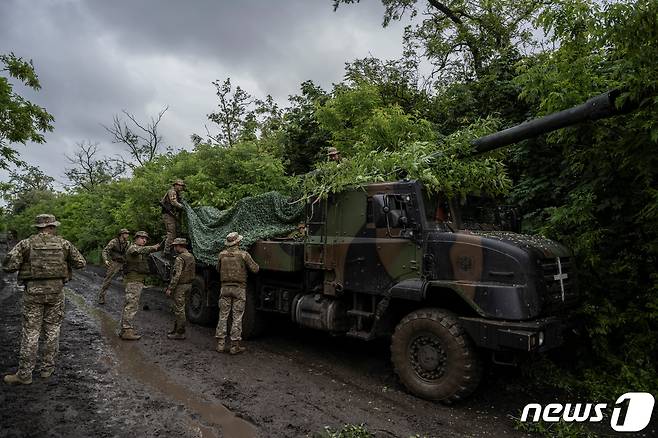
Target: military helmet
{"points": [[179, 182], [46, 220], [233, 239], [124, 231], [332, 151], [142, 234], [179, 241]]}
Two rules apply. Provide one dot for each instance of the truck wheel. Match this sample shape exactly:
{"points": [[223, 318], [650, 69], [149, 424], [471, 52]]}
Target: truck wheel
{"points": [[253, 322], [434, 357], [198, 311]]}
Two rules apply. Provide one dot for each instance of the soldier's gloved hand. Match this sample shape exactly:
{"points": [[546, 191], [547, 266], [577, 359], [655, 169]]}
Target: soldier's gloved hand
{"points": [[168, 292], [107, 264]]}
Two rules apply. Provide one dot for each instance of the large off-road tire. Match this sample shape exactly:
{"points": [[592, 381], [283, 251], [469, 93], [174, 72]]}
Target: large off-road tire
{"points": [[433, 356], [197, 309]]}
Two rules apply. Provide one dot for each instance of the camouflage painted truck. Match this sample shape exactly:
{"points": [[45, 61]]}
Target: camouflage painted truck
{"points": [[391, 260]]}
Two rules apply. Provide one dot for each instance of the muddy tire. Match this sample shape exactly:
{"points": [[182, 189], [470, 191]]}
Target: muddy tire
{"points": [[253, 321], [433, 356], [197, 309]]}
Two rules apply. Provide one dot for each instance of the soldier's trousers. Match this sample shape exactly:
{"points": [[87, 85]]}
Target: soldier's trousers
{"points": [[231, 300], [133, 292], [170, 228], [112, 270], [43, 310], [180, 296]]}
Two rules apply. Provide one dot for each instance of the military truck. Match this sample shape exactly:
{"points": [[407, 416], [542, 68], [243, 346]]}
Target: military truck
{"points": [[392, 260]]}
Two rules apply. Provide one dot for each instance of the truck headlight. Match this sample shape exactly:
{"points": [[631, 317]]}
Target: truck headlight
{"points": [[541, 339]]}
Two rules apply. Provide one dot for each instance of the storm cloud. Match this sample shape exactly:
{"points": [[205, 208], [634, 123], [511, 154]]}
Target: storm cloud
{"points": [[97, 57]]}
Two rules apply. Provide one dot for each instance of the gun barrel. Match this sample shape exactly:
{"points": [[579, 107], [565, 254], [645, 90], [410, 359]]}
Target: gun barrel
{"points": [[598, 107]]}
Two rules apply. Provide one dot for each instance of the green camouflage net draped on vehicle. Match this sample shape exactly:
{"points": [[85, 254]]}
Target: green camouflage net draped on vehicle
{"points": [[258, 217]]}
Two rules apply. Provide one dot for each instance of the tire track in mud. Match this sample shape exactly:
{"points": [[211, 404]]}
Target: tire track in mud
{"points": [[132, 361]]}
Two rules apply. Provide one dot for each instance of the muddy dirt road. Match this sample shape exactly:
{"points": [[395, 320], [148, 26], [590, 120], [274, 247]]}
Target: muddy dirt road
{"points": [[289, 383]]}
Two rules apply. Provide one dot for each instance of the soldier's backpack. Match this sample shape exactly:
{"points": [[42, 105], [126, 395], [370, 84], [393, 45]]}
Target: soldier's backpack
{"points": [[47, 258]]}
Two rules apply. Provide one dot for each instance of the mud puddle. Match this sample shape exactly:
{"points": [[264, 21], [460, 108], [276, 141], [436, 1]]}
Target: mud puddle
{"points": [[134, 363]]}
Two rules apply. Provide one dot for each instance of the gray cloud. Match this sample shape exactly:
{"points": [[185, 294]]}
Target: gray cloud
{"points": [[97, 57]]}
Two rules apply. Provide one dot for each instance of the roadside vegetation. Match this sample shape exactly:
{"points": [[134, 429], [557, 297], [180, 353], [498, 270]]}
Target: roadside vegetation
{"points": [[494, 64]]}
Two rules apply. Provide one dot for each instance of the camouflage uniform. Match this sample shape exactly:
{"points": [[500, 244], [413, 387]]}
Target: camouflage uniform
{"points": [[135, 271], [171, 208], [113, 257], [44, 262], [232, 265], [180, 286]]}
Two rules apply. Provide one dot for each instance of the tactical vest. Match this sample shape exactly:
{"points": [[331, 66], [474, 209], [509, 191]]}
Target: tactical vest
{"points": [[187, 275], [47, 259], [118, 251], [166, 204], [232, 268], [137, 263]]}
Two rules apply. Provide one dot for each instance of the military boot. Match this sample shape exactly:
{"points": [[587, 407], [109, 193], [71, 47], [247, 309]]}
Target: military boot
{"points": [[176, 335], [221, 346], [101, 299], [236, 348], [15, 379], [45, 374], [129, 335]]}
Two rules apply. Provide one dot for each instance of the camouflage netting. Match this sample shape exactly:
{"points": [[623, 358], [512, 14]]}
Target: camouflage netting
{"points": [[259, 217]]}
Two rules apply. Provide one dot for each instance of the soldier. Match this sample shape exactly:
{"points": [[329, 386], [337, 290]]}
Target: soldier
{"points": [[171, 210], [180, 285], [334, 155], [114, 255], [232, 266], [136, 268], [44, 262]]}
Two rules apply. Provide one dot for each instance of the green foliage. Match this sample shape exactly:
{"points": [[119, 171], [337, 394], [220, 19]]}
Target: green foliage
{"points": [[358, 114], [444, 168], [347, 431], [593, 186], [20, 120]]}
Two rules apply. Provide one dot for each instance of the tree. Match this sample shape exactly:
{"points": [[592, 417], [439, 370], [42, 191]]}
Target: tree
{"points": [[304, 140], [20, 120], [88, 171], [25, 188], [462, 38], [144, 140], [232, 114]]}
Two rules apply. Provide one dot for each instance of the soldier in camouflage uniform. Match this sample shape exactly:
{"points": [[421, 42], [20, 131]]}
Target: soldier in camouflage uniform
{"points": [[232, 266], [333, 154], [135, 269], [44, 262], [114, 254], [180, 285], [171, 212]]}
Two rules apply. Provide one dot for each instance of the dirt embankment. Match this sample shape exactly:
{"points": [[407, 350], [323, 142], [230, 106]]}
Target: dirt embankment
{"points": [[289, 383]]}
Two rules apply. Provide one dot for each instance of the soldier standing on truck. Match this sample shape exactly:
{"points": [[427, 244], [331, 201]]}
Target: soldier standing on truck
{"points": [[180, 286], [171, 213], [44, 262], [232, 265], [135, 271], [114, 255]]}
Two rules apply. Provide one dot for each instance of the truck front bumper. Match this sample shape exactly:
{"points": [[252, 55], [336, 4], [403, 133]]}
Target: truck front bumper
{"points": [[532, 336]]}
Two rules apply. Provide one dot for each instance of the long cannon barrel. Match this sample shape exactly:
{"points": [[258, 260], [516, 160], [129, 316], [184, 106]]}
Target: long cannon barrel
{"points": [[598, 107]]}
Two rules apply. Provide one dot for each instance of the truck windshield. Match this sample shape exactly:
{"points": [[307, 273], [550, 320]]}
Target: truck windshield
{"points": [[437, 210], [480, 213]]}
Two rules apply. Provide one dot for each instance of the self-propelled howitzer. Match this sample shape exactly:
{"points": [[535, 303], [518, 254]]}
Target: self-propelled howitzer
{"points": [[392, 260]]}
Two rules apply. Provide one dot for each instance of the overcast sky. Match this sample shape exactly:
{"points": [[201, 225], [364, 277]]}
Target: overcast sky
{"points": [[97, 57]]}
